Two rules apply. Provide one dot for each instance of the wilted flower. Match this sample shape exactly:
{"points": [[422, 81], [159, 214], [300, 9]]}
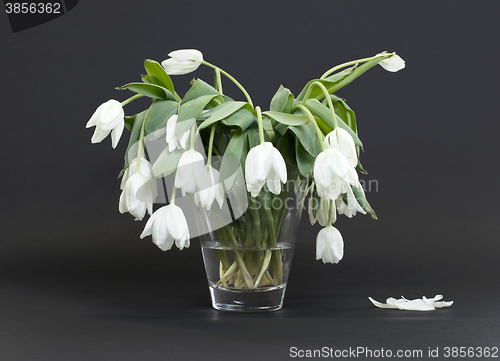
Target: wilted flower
{"points": [[189, 175], [182, 61], [166, 225], [264, 164], [329, 245], [145, 170], [138, 196], [341, 140], [350, 207], [332, 173], [209, 189], [392, 64], [172, 140], [107, 118]]}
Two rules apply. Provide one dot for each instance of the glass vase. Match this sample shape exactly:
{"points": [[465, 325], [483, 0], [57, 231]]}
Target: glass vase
{"points": [[248, 261]]}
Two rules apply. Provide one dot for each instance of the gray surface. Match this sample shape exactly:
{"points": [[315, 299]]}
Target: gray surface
{"points": [[77, 283]]}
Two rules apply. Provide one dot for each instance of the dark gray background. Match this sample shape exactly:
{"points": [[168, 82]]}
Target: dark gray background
{"points": [[77, 283]]}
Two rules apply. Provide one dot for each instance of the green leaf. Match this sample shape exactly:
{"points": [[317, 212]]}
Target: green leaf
{"points": [[339, 80], [199, 88], [329, 83], [150, 90], [288, 119], [191, 110], [138, 119], [166, 163], [158, 114], [220, 112], [306, 135], [344, 111], [358, 193], [234, 156], [158, 75], [281, 100], [242, 118], [305, 161], [325, 115], [146, 79]]}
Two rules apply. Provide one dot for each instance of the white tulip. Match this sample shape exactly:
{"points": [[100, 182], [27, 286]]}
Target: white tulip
{"points": [[189, 175], [329, 245], [352, 206], [341, 140], [392, 64], [138, 196], [145, 170], [332, 173], [209, 189], [108, 117], [172, 140], [182, 61], [166, 225], [264, 164]]}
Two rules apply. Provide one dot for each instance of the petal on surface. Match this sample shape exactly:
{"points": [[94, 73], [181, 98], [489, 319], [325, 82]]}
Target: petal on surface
{"points": [[381, 305], [413, 305]]}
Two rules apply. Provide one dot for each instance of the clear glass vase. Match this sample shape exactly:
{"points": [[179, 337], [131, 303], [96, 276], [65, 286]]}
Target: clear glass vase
{"points": [[248, 261]]}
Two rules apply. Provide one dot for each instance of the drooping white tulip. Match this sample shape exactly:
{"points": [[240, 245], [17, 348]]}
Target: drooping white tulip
{"points": [[341, 140], [172, 140], [108, 117], [145, 170], [329, 245], [189, 175], [264, 164], [392, 64], [138, 196], [166, 225], [182, 61], [332, 172], [210, 189], [352, 206]]}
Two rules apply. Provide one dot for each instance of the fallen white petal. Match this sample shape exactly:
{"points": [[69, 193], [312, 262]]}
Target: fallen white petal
{"points": [[380, 304], [419, 304]]}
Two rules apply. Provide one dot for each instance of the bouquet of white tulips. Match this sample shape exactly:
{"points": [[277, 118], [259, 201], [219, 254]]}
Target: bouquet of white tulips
{"points": [[310, 138]]}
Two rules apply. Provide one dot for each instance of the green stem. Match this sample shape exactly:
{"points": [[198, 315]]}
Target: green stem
{"points": [[211, 144], [232, 79], [172, 198], [132, 98], [218, 80], [261, 126], [256, 221], [330, 212], [192, 136], [328, 99], [140, 150], [319, 133], [335, 68], [239, 260]]}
